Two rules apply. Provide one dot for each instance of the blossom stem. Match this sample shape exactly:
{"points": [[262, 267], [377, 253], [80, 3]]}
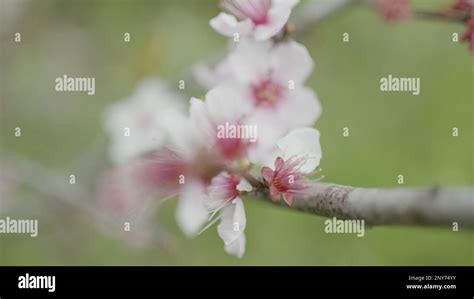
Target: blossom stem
{"points": [[435, 206]]}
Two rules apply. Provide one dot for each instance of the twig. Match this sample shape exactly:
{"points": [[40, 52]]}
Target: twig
{"points": [[436, 206]]}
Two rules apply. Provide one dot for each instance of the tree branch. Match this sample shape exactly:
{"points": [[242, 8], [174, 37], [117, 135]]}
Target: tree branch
{"points": [[434, 206]]}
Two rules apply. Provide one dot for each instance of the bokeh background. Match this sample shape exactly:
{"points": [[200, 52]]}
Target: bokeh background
{"points": [[390, 133]]}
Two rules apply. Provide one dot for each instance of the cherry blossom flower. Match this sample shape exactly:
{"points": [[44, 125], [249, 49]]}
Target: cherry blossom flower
{"points": [[300, 153], [224, 196], [260, 19], [394, 10], [259, 84], [272, 79], [134, 124], [223, 105], [198, 153]]}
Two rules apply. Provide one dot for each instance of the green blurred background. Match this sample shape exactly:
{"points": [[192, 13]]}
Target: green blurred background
{"points": [[390, 133]]}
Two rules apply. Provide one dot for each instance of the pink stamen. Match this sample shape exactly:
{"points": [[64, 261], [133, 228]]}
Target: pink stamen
{"points": [[164, 170], [224, 186], [286, 180]]}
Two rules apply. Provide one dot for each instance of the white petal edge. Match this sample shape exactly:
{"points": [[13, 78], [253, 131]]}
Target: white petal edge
{"points": [[237, 248], [278, 16], [291, 61], [228, 25], [304, 143], [244, 185]]}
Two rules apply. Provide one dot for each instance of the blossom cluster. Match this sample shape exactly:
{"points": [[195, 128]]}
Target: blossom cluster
{"points": [[163, 151]]}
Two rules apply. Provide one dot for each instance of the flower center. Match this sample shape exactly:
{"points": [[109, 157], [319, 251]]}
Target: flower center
{"points": [[256, 10], [267, 93], [279, 184], [232, 148]]}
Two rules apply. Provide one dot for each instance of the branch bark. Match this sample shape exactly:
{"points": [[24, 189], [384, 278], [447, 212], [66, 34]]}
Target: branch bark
{"points": [[435, 206]]}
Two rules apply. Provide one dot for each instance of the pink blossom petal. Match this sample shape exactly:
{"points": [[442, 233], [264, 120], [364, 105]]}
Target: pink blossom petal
{"points": [[274, 193], [267, 174], [278, 163]]}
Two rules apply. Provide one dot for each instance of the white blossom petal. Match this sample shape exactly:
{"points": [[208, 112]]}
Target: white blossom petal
{"points": [[221, 191], [291, 61], [270, 129], [301, 101], [184, 139], [191, 213], [250, 60], [278, 16], [226, 104], [244, 185], [302, 142], [208, 78], [228, 25], [233, 221], [237, 248], [135, 123], [201, 120]]}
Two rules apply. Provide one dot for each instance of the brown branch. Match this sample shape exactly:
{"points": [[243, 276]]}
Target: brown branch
{"points": [[436, 206]]}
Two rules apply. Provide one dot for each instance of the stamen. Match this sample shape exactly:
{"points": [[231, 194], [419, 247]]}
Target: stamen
{"points": [[214, 212], [209, 225]]}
